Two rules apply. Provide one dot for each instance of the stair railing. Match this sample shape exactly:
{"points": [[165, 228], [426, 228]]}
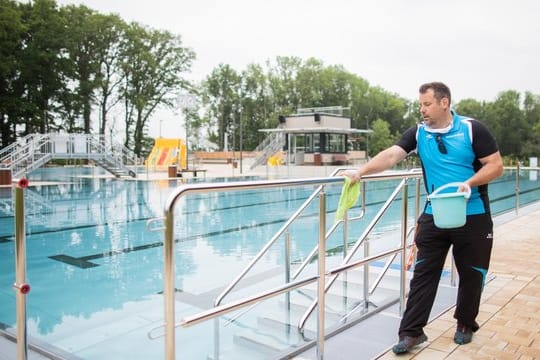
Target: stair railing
{"points": [[35, 150], [5, 152], [271, 242], [401, 188], [168, 292], [221, 309], [271, 144], [28, 155], [334, 227]]}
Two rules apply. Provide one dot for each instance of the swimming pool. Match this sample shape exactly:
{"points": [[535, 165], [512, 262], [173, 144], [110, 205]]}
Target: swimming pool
{"points": [[97, 272]]}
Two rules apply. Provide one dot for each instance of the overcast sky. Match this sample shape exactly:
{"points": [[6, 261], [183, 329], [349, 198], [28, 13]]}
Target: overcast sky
{"points": [[477, 47]]}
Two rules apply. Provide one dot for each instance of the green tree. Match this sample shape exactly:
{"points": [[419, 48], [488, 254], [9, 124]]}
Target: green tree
{"points": [[472, 108], [310, 84], [412, 115], [337, 87], [82, 44], [531, 109], [255, 106], [152, 64], [282, 82], [93, 48], [43, 64], [361, 110], [383, 105], [507, 122], [111, 37], [12, 31], [221, 91], [381, 137]]}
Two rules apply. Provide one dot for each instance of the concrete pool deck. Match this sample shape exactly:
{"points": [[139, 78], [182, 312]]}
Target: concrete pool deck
{"points": [[510, 310]]}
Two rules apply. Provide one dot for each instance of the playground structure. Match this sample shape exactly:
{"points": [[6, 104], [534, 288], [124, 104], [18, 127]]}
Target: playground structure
{"points": [[167, 152]]}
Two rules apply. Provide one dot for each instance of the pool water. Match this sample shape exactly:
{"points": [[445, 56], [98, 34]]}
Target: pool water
{"points": [[96, 270]]}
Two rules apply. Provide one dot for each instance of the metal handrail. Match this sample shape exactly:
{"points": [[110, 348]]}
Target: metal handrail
{"points": [[517, 187], [281, 231], [270, 145], [308, 258], [409, 232], [272, 240], [332, 230], [21, 286], [6, 151], [233, 186], [240, 303], [168, 291], [369, 228]]}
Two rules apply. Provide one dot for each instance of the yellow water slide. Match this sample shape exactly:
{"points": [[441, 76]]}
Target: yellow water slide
{"points": [[276, 159], [167, 152]]}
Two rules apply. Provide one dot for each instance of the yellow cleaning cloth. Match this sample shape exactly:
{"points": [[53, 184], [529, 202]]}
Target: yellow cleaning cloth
{"points": [[349, 196]]}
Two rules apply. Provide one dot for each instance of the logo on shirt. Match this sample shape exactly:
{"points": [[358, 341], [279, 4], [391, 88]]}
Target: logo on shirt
{"points": [[455, 135]]}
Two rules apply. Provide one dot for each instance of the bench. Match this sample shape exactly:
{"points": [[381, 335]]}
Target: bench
{"points": [[339, 159], [193, 171], [220, 157]]}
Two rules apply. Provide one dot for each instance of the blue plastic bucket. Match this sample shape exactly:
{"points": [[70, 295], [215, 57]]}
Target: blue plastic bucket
{"points": [[449, 209]]}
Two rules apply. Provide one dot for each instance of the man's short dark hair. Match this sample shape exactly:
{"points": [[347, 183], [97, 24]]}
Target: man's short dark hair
{"points": [[440, 90]]}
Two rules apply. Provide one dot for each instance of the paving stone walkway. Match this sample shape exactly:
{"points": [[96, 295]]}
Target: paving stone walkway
{"points": [[510, 310]]}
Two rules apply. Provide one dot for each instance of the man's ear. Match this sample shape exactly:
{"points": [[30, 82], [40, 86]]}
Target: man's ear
{"points": [[445, 102]]}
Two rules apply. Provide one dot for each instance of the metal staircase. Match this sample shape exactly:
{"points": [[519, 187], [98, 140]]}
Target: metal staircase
{"points": [[271, 331], [35, 150], [324, 292], [271, 145]]}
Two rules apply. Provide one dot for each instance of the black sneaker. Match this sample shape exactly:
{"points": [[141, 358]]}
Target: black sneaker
{"points": [[406, 343], [463, 335]]}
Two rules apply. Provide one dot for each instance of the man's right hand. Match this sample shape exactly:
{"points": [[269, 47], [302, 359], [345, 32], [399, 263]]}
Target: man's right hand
{"points": [[354, 175]]}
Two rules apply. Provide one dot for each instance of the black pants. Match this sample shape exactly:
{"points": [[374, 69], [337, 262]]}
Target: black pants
{"points": [[472, 245]]}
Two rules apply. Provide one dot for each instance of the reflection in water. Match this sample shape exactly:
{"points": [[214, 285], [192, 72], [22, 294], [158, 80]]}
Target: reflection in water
{"points": [[88, 248]]}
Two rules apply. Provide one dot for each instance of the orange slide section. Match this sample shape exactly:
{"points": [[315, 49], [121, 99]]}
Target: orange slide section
{"points": [[167, 152], [163, 157]]}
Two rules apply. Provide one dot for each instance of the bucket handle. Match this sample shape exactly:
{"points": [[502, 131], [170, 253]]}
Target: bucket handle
{"points": [[453, 184]]}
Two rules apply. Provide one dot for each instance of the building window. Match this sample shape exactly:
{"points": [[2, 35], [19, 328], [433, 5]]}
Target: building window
{"points": [[324, 143], [309, 143], [335, 143]]}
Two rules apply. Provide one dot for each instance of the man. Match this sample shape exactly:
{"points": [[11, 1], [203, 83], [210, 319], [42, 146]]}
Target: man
{"points": [[451, 148]]}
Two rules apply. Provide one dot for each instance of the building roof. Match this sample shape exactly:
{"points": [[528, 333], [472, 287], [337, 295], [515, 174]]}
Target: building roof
{"points": [[331, 130]]}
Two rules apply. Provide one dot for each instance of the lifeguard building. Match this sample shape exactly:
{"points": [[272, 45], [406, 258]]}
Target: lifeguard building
{"points": [[313, 136]]}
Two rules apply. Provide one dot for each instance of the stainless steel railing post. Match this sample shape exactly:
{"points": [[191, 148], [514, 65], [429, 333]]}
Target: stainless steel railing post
{"points": [[288, 267], [403, 277], [168, 290], [345, 251], [517, 186], [321, 273], [366, 275], [20, 285]]}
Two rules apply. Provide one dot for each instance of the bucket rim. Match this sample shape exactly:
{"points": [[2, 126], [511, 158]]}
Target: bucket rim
{"points": [[437, 192], [448, 195]]}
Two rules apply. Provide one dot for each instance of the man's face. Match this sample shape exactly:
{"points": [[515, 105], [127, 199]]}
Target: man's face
{"points": [[433, 112]]}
